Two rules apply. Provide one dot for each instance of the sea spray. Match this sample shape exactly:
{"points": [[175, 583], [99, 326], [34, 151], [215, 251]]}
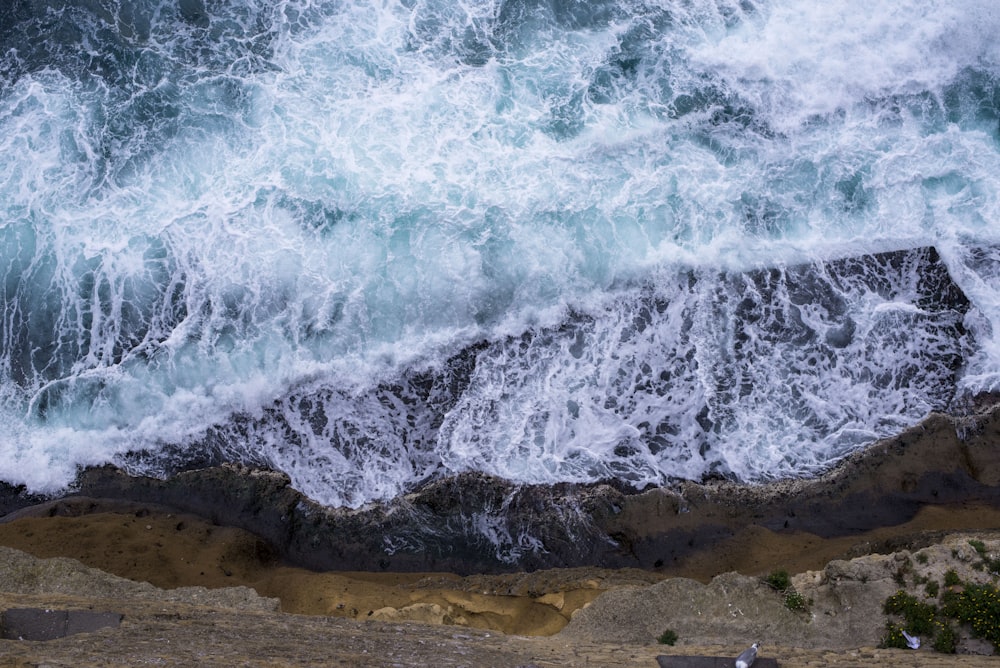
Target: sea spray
{"points": [[375, 244]]}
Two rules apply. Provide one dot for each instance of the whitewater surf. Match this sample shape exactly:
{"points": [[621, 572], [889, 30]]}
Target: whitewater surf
{"points": [[371, 244]]}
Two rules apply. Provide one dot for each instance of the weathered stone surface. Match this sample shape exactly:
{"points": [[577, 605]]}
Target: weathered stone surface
{"points": [[732, 609], [844, 601], [614, 630], [44, 624], [21, 573], [13, 497]]}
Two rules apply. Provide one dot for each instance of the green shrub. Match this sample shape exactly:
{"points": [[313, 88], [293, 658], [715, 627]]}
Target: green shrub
{"points": [[932, 589], [951, 603], [979, 607], [991, 565], [921, 558], [898, 603], [945, 639], [951, 578], [893, 637], [778, 579], [979, 546], [668, 637], [919, 616], [795, 601]]}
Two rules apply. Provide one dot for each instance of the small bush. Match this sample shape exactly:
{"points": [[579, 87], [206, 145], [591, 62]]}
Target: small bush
{"points": [[893, 637], [668, 637], [945, 639], [951, 578], [779, 580], [919, 616], [979, 546], [795, 601], [897, 603], [932, 588], [921, 558], [951, 603], [979, 607]]}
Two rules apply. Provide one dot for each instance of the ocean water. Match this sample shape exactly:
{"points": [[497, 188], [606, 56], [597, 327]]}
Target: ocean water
{"points": [[375, 242]]}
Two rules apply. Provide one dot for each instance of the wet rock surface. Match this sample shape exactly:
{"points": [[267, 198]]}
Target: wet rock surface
{"points": [[473, 523]]}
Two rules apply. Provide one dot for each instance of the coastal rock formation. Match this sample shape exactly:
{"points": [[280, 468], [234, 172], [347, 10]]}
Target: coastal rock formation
{"points": [[21, 573], [840, 626], [474, 523], [841, 605]]}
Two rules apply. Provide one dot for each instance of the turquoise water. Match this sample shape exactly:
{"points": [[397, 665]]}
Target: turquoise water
{"points": [[374, 243]]}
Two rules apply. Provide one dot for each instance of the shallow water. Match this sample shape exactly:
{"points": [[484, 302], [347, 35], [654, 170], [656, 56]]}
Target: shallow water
{"points": [[370, 244]]}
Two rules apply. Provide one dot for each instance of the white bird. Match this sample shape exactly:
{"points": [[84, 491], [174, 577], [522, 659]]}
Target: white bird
{"points": [[912, 641], [747, 656]]}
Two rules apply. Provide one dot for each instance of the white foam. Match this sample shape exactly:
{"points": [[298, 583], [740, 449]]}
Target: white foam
{"points": [[798, 61], [379, 185]]}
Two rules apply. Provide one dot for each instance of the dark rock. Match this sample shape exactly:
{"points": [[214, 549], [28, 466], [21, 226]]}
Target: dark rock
{"points": [[39, 624], [766, 311], [666, 661], [476, 523], [15, 497]]}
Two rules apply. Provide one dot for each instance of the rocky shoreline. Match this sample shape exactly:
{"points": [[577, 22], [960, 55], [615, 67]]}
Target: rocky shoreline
{"points": [[842, 624], [598, 572], [476, 524]]}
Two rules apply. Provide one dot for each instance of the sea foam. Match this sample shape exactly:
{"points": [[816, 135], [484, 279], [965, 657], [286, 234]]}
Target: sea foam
{"points": [[370, 244]]}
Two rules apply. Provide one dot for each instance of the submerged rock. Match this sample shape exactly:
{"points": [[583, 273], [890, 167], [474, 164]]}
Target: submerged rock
{"points": [[476, 523]]}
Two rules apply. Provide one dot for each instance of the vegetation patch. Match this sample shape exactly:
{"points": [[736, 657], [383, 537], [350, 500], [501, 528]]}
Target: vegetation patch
{"points": [[780, 581], [945, 639], [975, 606], [893, 637], [986, 563], [668, 637], [795, 601], [919, 616], [979, 607]]}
